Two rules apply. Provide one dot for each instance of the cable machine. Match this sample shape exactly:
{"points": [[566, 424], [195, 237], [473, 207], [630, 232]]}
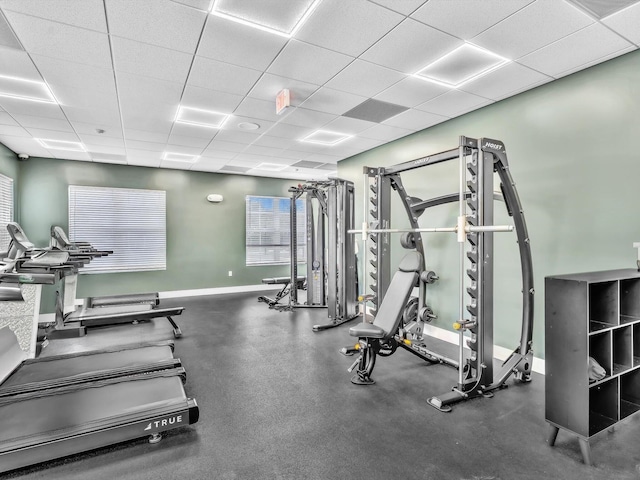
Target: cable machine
{"points": [[331, 263], [478, 160]]}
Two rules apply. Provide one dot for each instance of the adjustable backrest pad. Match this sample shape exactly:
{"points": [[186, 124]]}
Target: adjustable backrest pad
{"points": [[389, 313]]}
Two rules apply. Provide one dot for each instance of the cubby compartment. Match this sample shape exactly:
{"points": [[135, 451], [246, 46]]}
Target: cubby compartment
{"points": [[622, 349], [603, 305], [600, 350], [629, 393], [603, 405], [629, 300], [636, 344]]}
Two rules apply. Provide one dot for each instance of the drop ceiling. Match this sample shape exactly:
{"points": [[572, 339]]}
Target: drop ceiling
{"points": [[192, 84]]}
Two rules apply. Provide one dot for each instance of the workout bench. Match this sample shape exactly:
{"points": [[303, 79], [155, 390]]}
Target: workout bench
{"points": [[379, 335]]}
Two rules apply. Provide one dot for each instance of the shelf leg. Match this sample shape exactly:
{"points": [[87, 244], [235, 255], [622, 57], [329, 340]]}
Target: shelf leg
{"points": [[553, 434], [586, 451]]}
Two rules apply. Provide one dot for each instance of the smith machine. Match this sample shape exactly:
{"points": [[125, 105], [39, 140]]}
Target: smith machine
{"points": [[331, 260], [478, 160]]}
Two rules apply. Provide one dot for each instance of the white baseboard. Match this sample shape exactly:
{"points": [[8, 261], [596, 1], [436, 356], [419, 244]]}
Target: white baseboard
{"points": [[500, 353], [217, 290]]}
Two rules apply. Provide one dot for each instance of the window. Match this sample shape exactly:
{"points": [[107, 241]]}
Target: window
{"points": [[267, 238], [130, 222], [6, 210]]}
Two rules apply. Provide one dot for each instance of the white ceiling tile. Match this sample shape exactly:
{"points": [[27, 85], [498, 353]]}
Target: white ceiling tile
{"points": [[364, 78], [626, 23], [147, 146], [505, 81], [338, 25], [16, 63], [254, 149], [224, 77], [223, 146], [75, 84], [403, 6], [150, 60], [278, 143], [332, 101], [101, 140], [236, 136], [261, 109], [210, 99], [85, 14], [203, 5], [410, 47], [270, 85], [146, 92], [411, 91], [285, 130], [596, 61], [22, 144], [53, 135], [385, 132], [415, 119], [217, 155], [145, 136], [184, 141], [14, 130], [293, 154], [533, 27], [90, 129], [36, 109], [193, 131], [107, 119], [294, 62], [28, 121], [453, 103], [349, 125], [57, 40], [440, 14], [302, 117], [106, 150], [570, 52], [6, 119], [183, 149], [166, 24], [250, 47]]}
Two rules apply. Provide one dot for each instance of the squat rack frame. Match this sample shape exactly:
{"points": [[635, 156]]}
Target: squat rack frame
{"points": [[479, 159]]}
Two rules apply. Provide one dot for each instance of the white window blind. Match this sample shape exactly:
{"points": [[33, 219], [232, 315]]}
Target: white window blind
{"points": [[130, 222], [6, 210], [267, 235]]}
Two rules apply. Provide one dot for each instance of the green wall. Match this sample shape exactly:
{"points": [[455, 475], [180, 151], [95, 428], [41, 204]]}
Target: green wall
{"points": [[204, 240], [9, 164], [572, 152]]}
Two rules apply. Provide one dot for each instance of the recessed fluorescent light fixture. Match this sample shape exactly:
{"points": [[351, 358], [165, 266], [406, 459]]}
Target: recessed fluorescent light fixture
{"points": [[61, 145], [179, 157], [325, 137], [200, 117], [270, 167], [279, 18], [23, 89], [465, 63]]}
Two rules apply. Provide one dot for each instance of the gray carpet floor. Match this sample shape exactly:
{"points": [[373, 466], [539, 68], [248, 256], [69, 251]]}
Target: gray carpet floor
{"points": [[276, 403]]}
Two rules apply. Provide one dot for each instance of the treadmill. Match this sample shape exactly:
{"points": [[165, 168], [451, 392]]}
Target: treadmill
{"points": [[71, 322], [19, 375]]}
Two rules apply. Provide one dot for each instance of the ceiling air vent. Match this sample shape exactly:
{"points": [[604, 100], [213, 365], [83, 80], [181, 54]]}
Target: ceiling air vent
{"points": [[375, 111], [306, 164], [232, 169]]}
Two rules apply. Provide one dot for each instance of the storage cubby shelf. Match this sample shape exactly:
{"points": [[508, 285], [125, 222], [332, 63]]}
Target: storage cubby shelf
{"points": [[596, 315]]}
